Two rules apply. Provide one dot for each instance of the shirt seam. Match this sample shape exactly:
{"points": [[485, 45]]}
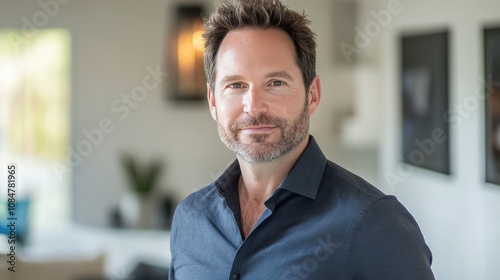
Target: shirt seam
{"points": [[354, 231]]}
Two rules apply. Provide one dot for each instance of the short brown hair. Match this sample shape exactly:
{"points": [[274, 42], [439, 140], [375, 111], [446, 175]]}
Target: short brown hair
{"points": [[264, 14]]}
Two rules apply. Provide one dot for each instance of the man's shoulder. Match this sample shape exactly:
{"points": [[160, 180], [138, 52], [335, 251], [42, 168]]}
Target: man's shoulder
{"points": [[351, 197], [344, 180], [200, 199]]}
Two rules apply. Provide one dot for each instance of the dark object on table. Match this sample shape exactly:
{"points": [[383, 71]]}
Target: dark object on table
{"points": [[142, 271], [145, 271]]}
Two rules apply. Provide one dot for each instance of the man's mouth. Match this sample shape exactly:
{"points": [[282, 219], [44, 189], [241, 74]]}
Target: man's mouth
{"points": [[258, 129]]}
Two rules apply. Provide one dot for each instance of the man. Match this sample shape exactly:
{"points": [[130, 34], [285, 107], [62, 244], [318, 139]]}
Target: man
{"points": [[282, 210]]}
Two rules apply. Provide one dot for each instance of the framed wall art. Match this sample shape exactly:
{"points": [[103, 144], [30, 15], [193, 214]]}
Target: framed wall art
{"points": [[424, 94], [492, 103]]}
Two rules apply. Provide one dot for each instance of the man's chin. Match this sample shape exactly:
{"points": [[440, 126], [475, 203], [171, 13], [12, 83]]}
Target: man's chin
{"points": [[259, 152], [256, 158]]}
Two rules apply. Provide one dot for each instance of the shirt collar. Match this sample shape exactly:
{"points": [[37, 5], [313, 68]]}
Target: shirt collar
{"points": [[227, 184], [304, 178]]}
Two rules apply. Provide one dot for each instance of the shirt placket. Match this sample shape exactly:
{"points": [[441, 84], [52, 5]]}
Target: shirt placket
{"points": [[244, 252]]}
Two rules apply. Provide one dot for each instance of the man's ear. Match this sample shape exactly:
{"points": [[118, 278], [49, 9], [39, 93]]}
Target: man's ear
{"points": [[211, 102], [314, 95]]}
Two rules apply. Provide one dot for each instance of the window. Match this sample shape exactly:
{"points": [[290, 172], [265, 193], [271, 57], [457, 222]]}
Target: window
{"points": [[34, 120]]}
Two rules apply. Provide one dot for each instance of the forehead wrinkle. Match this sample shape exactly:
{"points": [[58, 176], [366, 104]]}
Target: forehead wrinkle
{"points": [[234, 51]]}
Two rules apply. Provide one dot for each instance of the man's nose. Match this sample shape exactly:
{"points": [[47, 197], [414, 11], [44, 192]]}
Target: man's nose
{"points": [[254, 102]]}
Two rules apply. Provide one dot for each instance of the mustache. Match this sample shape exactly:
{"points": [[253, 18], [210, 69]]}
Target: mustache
{"points": [[256, 121]]}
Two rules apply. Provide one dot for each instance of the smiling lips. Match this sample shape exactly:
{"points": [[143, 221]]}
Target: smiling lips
{"points": [[257, 129], [257, 125]]}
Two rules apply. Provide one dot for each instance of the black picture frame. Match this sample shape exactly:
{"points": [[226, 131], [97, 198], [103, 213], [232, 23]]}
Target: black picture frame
{"points": [[425, 100], [492, 104]]}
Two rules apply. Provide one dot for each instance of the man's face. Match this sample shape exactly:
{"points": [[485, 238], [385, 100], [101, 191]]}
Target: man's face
{"points": [[259, 100]]}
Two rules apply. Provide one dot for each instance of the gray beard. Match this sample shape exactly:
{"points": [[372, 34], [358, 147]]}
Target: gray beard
{"points": [[260, 152]]}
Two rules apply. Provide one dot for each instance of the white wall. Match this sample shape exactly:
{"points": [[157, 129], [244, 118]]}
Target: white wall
{"points": [[459, 213]]}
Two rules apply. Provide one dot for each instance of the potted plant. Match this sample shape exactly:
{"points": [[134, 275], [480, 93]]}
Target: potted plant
{"points": [[138, 207]]}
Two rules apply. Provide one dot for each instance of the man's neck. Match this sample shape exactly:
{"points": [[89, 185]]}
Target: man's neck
{"points": [[259, 181]]}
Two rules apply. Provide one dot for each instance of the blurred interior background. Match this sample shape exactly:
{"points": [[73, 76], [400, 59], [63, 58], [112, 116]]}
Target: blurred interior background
{"points": [[102, 114]]}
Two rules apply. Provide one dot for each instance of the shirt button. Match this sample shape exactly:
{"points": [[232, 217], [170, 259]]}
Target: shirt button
{"points": [[236, 276]]}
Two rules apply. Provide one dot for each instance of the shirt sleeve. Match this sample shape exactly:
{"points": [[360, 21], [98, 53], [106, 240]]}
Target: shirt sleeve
{"points": [[173, 243], [388, 244]]}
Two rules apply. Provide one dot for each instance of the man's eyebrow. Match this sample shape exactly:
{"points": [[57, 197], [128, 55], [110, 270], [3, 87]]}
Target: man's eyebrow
{"points": [[280, 74], [277, 74], [230, 78]]}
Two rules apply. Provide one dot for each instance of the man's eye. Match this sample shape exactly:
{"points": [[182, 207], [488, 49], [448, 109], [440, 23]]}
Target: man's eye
{"points": [[235, 85], [277, 83]]}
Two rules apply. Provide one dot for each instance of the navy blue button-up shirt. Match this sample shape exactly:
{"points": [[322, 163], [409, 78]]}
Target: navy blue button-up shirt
{"points": [[322, 222]]}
